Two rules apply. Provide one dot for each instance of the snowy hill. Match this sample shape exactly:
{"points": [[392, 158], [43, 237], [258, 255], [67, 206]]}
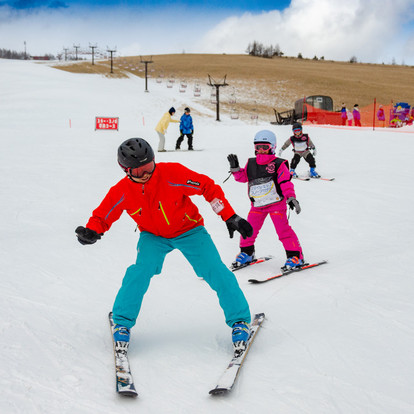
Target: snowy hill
{"points": [[336, 339]]}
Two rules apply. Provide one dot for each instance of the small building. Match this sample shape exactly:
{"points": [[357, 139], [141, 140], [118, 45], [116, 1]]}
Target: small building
{"points": [[322, 102]]}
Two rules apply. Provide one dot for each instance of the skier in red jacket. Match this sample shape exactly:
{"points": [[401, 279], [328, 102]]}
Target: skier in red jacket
{"points": [[157, 198]]}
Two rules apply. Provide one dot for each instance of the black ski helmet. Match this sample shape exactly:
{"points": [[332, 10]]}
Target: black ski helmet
{"points": [[134, 152], [296, 125]]}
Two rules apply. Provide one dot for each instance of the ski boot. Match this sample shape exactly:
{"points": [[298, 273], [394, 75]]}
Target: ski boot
{"points": [[240, 336], [293, 173], [292, 263], [121, 338], [243, 259], [313, 173]]}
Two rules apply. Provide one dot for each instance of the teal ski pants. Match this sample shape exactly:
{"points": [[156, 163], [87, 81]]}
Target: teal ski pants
{"points": [[199, 249]]}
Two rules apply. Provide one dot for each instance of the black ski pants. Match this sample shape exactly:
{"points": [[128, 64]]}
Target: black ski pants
{"points": [[181, 139], [309, 159]]}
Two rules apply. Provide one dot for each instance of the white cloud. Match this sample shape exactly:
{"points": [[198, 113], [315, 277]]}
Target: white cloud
{"points": [[133, 31], [371, 30]]}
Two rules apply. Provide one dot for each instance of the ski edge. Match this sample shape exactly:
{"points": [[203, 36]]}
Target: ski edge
{"points": [[304, 267], [130, 390], [219, 389]]}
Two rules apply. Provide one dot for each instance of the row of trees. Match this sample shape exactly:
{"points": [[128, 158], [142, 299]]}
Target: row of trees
{"points": [[12, 54], [258, 49]]}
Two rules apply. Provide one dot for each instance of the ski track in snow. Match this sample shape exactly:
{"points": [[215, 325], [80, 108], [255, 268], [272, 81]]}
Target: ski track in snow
{"points": [[336, 339]]}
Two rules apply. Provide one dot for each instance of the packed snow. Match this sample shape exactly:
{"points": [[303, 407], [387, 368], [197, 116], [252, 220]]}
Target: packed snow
{"points": [[336, 339]]}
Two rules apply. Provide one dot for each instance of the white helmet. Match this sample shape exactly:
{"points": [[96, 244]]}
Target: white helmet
{"points": [[266, 136]]}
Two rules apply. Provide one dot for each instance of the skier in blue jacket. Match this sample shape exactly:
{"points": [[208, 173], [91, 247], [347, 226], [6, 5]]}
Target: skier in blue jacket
{"points": [[186, 128]]}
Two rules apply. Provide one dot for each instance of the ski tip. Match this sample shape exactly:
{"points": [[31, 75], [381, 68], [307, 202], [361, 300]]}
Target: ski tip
{"points": [[253, 281], [219, 391], [129, 394], [127, 390]]}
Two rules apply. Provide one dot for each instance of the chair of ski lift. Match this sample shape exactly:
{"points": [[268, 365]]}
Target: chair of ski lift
{"points": [[234, 114]]}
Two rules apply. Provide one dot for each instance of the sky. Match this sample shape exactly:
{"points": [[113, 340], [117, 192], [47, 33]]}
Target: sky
{"points": [[375, 31]]}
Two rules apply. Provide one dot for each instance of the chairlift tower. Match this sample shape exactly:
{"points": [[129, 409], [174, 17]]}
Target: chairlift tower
{"points": [[93, 47], [146, 62], [217, 85], [76, 51], [111, 51]]}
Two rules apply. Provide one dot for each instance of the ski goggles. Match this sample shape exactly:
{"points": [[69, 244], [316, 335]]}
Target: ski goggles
{"points": [[262, 146], [297, 131], [139, 172]]}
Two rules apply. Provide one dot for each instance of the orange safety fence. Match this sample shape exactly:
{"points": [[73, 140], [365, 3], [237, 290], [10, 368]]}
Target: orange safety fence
{"points": [[369, 116]]}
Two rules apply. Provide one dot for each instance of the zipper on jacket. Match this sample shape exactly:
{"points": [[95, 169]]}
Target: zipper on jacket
{"points": [[136, 212], [163, 212], [190, 219]]}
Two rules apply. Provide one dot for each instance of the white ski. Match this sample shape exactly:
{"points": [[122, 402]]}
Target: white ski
{"points": [[229, 376]]}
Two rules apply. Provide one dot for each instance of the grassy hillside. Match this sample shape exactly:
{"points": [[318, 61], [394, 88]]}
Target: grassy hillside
{"points": [[260, 84]]}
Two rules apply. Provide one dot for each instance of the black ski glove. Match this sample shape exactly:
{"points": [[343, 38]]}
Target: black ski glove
{"points": [[234, 162], [87, 236], [235, 222], [294, 204]]}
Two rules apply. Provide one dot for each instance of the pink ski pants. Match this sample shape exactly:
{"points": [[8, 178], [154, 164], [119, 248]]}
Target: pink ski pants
{"points": [[278, 215]]}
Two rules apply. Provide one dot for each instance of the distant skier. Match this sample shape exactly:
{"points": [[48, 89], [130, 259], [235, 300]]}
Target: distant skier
{"points": [[187, 129], [343, 114], [381, 115], [356, 115], [350, 117], [162, 126], [157, 198], [302, 146], [270, 188]]}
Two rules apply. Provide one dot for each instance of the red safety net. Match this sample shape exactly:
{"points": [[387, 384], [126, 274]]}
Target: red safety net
{"points": [[369, 116]]}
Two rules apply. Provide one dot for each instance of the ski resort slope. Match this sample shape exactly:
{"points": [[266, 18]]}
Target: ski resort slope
{"points": [[336, 339]]}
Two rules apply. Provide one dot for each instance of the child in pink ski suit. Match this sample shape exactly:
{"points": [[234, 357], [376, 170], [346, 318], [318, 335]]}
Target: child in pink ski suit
{"points": [[270, 190]]}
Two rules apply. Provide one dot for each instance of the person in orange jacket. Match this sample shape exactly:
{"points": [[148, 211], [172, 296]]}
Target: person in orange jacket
{"points": [[157, 197], [162, 126]]}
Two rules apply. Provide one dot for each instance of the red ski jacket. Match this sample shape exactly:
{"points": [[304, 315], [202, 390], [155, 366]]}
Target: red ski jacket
{"points": [[162, 205]]}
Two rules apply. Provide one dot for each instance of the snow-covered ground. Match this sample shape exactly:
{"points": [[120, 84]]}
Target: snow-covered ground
{"points": [[336, 339]]}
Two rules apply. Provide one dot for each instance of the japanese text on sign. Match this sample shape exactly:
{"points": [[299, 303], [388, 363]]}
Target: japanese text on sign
{"points": [[106, 123]]}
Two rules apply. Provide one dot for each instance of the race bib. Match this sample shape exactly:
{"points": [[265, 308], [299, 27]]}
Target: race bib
{"points": [[301, 146], [264, 194], [217, 205]]}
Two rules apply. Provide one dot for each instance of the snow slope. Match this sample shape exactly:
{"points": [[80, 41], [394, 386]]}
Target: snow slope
{"points": [[336, 339]]}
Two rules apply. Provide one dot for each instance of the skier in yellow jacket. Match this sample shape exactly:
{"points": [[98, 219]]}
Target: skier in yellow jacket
{"points": [[162, 126]]}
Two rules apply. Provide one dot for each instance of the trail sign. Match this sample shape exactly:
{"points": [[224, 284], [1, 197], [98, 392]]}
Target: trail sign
{"points": [[106, 123]]}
